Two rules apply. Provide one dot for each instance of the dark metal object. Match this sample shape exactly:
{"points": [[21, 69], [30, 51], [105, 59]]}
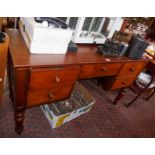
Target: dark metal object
{"points": [[113, 48], [137, 47], [72, 47], [58, 23]]}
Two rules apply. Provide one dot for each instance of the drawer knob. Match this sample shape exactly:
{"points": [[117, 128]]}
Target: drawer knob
{"points": [[51, 95], [57, 79], [132, 69], [124, 83], [103, 68], [0, 79]]}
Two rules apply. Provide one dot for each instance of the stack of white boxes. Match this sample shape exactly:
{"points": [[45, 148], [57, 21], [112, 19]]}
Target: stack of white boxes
{"points": [[44, 40]]}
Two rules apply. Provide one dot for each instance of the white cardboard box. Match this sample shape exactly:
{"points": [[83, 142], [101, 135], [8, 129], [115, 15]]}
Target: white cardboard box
{"points": [[43, 40], [58, 120]]}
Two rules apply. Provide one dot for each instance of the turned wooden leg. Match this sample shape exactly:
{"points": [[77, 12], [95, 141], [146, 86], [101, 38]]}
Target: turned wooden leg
{"points": [[19, 120], [20, 98], [121, 93]]}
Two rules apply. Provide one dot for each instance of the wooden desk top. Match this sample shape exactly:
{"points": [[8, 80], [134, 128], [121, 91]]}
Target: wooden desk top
{"points": [[86, 54]]}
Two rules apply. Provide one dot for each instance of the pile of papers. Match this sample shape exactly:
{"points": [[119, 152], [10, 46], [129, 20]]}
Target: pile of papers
{"points": [[144, 79]]}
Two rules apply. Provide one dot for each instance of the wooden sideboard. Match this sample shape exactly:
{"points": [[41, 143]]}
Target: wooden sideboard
{"points": [[3, 59], [37, 79]]}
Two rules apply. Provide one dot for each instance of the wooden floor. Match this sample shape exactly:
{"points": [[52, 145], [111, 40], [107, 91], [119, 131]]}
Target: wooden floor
{"points": [[104, 119]]}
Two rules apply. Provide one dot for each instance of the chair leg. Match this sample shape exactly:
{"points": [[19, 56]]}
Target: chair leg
{"points": [[139, 94], [150, 95]]}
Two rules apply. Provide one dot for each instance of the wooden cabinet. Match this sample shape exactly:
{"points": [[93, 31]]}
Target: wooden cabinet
{"points": [[37, 79], [3, 58]]}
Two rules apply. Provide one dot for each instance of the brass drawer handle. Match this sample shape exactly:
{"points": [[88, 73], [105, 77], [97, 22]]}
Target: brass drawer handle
{"points": [[57, 79], [0, 79], [51, 95], [103, 68]]}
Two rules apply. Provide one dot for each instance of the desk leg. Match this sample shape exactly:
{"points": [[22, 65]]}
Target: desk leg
{"points": [[21, 81], [121, 93], [9, 70], [19, 116]]}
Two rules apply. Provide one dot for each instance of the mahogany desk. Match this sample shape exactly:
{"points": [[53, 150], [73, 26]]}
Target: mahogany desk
{"points": [[37, 79]]}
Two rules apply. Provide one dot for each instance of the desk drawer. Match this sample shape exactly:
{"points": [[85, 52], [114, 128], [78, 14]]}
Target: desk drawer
{"points": [[38, 97], [132, 68], [97, 70], [124, 81], [45, 78]]}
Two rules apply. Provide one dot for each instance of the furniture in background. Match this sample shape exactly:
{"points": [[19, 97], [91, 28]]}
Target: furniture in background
{"points": [[151, 34], [124, 24], [13, 22], [3, 59], [8, 22], [3, 23], [150, 91], [92, 29], [37, 79]]}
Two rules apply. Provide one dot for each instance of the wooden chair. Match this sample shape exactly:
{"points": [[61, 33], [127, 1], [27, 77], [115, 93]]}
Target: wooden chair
{"points": [[3, 59], [150, 91]]}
